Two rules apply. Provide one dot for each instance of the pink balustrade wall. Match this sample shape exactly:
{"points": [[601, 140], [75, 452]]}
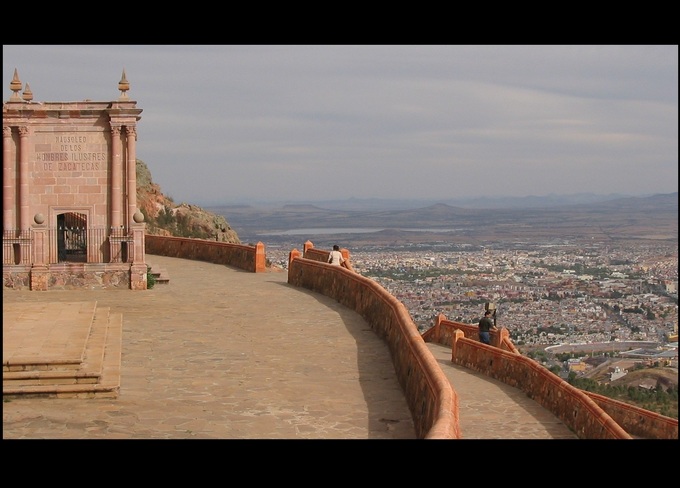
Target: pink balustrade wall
{"points": [[431, 399], [506, 364], [637, 421], [249, 258]]}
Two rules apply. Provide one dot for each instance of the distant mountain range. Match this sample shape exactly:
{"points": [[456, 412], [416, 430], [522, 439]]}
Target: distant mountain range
{"points": [[530, 201], [576, 216]]}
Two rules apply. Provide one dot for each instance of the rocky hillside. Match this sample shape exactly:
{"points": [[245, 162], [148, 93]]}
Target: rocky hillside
{"points": [[164, 217]]}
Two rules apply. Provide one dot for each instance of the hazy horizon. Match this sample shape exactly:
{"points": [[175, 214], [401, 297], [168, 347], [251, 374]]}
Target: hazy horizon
{"points": [[477, 202]]}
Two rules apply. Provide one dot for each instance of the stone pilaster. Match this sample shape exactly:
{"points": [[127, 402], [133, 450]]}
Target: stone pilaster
{"points": [[138, 229], [40, 272], [138, 270]]}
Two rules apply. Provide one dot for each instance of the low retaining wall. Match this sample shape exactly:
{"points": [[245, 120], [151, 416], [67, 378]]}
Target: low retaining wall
{"points": [[16, 277], [249, 258], [431, 399], [73, 276]]}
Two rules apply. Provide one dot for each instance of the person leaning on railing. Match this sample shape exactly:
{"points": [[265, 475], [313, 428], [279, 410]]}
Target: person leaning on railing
{"points": [[486, 325]]}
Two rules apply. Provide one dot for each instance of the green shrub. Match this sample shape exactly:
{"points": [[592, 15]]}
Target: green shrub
{"points": [[150, 278]]}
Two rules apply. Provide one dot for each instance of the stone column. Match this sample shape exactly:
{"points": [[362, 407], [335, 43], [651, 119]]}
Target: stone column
{"points": [[24, 219], [115, 235], [7, 170], [132, 173], [116, 177]]}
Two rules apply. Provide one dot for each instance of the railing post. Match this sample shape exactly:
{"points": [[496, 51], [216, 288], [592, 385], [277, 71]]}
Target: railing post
{"points": [[438, 327], [307, 245], [292, 255], [457, 334], [347, 263], [260, 258]]}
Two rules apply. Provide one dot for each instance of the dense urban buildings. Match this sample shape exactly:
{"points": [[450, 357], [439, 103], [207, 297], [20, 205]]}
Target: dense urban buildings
{"points": [[545, 293]]}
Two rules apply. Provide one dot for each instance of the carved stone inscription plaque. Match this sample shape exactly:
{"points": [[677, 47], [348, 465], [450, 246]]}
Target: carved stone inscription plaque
{"points": [[72, 151]]}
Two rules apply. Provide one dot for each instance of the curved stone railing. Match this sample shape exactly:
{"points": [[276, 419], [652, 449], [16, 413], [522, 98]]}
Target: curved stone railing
{"points": [[637, 421], [634, 420], [571, 405], [431, 399], [249, 258], [443, 330]]}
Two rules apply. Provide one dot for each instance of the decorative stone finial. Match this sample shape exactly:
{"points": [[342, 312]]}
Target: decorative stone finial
{"points": [[123, 86], [28, 94], [15, 86], [39, 219], [138, 217]]}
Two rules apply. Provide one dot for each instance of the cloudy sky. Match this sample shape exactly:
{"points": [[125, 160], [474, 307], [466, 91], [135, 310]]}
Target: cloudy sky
{"points": [[279, 123]]}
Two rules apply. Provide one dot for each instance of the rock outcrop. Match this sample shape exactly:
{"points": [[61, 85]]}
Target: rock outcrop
{"points": [[164, 217]]}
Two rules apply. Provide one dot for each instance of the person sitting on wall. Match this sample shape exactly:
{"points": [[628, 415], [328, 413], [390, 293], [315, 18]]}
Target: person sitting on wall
{"points": [[337, 259], [486, 325]]}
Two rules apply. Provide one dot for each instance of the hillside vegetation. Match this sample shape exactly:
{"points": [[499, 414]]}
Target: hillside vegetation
{"points": [[652, 388], [165, 218]]}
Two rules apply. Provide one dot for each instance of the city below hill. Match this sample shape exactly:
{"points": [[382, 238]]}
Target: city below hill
{"points": [[626, 218]]}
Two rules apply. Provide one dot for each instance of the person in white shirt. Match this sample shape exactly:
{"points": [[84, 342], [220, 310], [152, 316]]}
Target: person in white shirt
{"points": [[335, 257]]}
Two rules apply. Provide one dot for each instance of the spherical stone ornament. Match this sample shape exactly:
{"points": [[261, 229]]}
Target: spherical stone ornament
{"points": [[39, 219], [138, 217]]}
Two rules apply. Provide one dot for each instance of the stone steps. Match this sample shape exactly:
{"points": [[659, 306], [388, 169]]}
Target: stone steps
{"points": [[95, 375], [160, 274]]}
